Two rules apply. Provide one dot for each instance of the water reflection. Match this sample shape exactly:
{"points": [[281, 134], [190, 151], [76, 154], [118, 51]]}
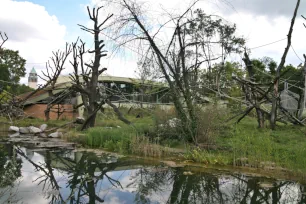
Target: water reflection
{"points": [[79, 177]]}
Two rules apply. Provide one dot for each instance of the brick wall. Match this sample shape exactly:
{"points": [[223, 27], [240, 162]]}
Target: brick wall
{"points": [[37, 111]]}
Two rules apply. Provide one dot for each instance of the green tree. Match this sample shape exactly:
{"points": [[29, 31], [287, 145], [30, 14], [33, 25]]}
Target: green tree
{"points": [[21, 89], [264, 69], [12, 66]]}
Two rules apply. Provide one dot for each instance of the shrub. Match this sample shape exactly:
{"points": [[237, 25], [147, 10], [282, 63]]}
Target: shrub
{"points": [[167, 126], [209, 122]]}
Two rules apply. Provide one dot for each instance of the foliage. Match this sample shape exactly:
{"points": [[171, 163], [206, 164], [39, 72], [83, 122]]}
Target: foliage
{"points": [[210, 119], [183, 55], [17, 89], [164, 128], [12, 66], [203, 156], [209, 122], [204, 26], [124, 140], [295, 76], [10, 167], [5, 97], [224, 74]]}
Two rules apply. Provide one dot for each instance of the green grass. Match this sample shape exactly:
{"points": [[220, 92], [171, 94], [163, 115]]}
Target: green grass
{"points": [[285, 146], [242, 144], [114, 135], [207, 157]]}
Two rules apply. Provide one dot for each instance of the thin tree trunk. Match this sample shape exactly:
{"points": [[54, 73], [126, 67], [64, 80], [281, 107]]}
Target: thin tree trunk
{"points": [[278, 71]]}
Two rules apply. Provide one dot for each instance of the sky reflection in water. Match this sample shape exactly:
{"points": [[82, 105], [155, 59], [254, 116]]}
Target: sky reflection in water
{"points": [[79, 177]]}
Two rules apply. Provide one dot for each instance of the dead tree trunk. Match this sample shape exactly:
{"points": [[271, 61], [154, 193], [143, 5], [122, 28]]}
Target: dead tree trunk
{"points": [[87, 82], [251, 93], [52, 73], [49, 106], [179, 84], [275, 98]]}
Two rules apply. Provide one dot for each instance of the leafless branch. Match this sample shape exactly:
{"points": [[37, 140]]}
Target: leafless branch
{"points": [[4, 38]]}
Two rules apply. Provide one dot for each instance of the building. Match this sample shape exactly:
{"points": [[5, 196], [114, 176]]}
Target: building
{"points": [[32, 80], [123, 91]]}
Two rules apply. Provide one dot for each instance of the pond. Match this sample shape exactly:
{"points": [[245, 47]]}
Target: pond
{"points": [[44, 176]]}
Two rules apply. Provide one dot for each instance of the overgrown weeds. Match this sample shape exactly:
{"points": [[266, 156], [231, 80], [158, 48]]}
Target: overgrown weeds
{"points": [[204, 156], [141, 145], [123, 139]]}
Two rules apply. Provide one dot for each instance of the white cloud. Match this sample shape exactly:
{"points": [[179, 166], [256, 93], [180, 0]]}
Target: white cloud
{"points": [[262, 30], [36, 33], [31, 30], [259, 28]]}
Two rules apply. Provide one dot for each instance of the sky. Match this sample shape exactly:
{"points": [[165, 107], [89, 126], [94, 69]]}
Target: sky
{"points": [[38, 27]]}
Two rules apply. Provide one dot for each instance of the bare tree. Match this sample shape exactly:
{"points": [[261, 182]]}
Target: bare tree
{"points": [[147, 72], [85, 78], [251, 94], [86, 75], [53, 71], [275, 99], [4, 38], [179, 57]]}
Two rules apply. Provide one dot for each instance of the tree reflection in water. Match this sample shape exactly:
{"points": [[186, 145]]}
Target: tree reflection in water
{"points": [[10, 171], [82, 177], [208, 188], [84, 173]]}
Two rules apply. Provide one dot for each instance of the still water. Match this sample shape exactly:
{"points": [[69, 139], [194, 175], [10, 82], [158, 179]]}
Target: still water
{"points": [[40, 176]]}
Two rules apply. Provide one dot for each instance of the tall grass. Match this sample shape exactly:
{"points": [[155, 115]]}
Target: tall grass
{"points": [[141, 145], [285, 147], [251, 149], [125, 140], [207, 157]]}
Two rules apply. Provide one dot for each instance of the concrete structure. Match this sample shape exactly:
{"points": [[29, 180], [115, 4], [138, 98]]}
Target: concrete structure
{"points": [[32, 79]]}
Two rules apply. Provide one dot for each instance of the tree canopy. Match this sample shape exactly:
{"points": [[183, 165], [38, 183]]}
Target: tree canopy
{"points": [[12, 68], [12, 65]]}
